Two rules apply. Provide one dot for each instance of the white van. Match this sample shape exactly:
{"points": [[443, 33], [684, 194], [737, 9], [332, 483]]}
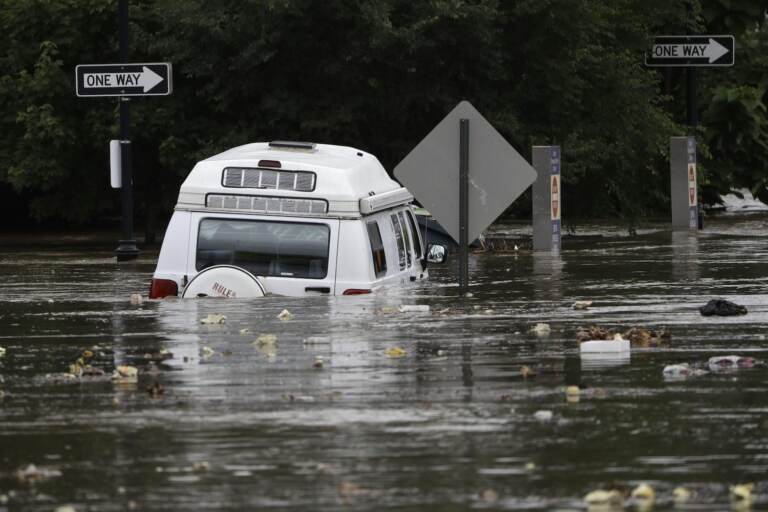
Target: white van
{"points": [[290, 218]]}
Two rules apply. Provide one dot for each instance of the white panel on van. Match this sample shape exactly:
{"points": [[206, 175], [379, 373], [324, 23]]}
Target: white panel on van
{"points": [[172, 263]]}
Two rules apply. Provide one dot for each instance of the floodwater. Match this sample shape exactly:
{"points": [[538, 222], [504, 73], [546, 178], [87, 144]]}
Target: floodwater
{"points": [[450, 425]]}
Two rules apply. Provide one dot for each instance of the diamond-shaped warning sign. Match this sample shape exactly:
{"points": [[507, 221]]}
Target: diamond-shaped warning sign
{"points": [[497, 173]]}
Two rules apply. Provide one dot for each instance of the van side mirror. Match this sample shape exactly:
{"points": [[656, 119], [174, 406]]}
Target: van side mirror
{"points": [[437, 253]]}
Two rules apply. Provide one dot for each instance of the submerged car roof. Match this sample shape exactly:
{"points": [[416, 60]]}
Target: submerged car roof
{"points": [[342, 175]]}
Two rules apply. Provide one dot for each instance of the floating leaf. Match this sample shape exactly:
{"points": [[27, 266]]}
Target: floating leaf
{"points": [[125, 372], [213, 319], [265, 340], [395, 352], [582, 304]]}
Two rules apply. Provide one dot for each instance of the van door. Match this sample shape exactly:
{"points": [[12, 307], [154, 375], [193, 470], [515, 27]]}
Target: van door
{"points": [[292, 256]]}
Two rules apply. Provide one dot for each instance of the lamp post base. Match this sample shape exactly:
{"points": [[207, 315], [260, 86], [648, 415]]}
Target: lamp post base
{"points": [[127, 250]]}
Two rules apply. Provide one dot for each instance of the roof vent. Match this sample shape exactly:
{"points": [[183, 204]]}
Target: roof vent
{"points": [[290, 144], [238, 177]]}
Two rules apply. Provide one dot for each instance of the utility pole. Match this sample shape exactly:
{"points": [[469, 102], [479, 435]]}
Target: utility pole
{"points": [[126, 249]]}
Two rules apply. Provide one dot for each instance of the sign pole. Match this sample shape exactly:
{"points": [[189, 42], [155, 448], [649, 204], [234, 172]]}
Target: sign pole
{"points": [[693, 114], [127, 249], [463, 205]]}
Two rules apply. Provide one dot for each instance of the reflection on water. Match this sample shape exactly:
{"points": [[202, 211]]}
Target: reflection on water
{"points": [[685, 256], [242, 425]]}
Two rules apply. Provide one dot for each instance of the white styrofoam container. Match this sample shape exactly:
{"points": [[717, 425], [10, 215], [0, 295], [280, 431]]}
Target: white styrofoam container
{"points": [[414, 308], [604, 347]]}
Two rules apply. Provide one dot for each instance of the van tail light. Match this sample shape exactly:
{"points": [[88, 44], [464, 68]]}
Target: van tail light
{"points": [[161, 288], [356, 291]]}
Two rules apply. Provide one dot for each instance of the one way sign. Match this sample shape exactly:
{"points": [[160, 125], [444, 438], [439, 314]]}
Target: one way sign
{"points": [[150, 79], [688, 51]]}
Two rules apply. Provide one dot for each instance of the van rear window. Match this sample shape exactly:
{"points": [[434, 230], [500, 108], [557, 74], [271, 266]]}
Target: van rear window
{"points": [[265, 248]]}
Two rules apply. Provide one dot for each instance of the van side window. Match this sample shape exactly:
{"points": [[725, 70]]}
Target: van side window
{"points": [[377, 249], [416, 235], [407, 235], [399, 239]]}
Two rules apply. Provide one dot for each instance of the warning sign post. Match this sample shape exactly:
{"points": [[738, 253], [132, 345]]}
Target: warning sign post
{"points": [[684, 193], [547, 193]]}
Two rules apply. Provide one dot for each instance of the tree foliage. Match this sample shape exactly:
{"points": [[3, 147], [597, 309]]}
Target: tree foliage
{"points": [[376, 74]]}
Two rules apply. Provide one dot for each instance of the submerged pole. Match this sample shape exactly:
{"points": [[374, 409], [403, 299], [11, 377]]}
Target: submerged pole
{"points": [[683, 187], [126, 249], [547, 195]]}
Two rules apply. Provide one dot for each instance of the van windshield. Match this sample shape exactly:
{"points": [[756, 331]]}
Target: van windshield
{"points": [[265, 248]]}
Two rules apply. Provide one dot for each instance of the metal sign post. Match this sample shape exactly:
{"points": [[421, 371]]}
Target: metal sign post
{"points": [[121, 81], [690, 52], [463, 204], [126, 249]]}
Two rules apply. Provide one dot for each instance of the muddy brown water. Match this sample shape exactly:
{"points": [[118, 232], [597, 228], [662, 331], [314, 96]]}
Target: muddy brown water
{"points": [[259, 427]]}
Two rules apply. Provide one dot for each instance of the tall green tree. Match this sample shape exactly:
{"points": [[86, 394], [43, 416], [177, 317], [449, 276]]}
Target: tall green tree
{"points": [[376, 74]]}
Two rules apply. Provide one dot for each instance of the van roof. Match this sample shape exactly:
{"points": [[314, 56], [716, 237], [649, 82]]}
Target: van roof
{"points": [[340, 175]]}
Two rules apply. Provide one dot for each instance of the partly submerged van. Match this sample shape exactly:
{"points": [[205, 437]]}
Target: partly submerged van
{"points": [[290, 218]]}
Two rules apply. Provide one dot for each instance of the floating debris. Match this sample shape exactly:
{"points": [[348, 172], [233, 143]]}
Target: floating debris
{"points": [[582, 304], [645, 338], [526, 371], [682, 370], [266, 340], [156, 390], [541, 329], [285, 315], [318, 362], [722, 307], [615, 345], [65, 508], [213, 319], [593, 332], [317, 340], [82, 367], [741, 493], [395, 352], [2, 351], [602, 497], [414, 308], [488, 495], [543, 415], [637, 336], [207, 352], [136, 299], [644, 496], [723, 363], [245, 331], [572, 394], [125, 373], [200, 467], [387, 310], [32, 474], [681, 495]]}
